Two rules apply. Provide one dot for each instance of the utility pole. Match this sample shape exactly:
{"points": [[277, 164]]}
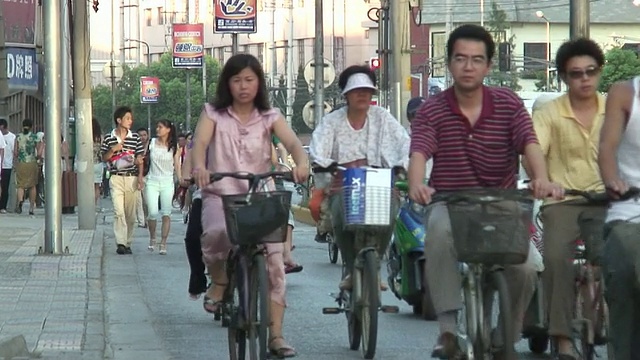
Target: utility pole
{"points": [[401, 54], [122, 35], [579, 19], [318, 56], [83, 115], [448, 30], [66, 64], [4, 78], [290, 67], [138, 34], [272, 40], [52, 15], [188, 80], [234, 44], [383, 53], [112, 66]]}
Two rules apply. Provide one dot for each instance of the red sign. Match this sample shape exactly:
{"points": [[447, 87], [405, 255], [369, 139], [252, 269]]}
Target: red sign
{"points": [[149, 90], [19, 22], [188, 45]]}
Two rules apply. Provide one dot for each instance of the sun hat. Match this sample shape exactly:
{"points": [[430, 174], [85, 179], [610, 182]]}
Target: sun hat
{"points": [[358, 81]]}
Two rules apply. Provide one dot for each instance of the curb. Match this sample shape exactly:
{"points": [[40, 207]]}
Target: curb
{"points": [[303, 215], [14, 347]]}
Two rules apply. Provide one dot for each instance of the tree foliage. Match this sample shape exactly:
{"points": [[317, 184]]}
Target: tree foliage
{"points": [[172, 104], [619, 65], [498, 25]]}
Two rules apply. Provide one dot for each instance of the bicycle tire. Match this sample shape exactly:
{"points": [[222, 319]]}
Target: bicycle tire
{"points": [[236, 337], [333, 252], [370, 290], [504, 299], [258, 309]]}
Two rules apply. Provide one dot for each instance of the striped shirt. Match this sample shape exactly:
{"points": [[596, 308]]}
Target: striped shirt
{"points": [[465, 156], [131, 143]]}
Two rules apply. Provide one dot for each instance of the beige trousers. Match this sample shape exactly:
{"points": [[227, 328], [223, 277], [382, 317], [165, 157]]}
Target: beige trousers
{"points": [[124, 194], [443, 274]]}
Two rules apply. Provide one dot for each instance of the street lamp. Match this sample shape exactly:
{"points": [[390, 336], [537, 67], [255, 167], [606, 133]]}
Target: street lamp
{"points": [[148, 70], [540, 15]]}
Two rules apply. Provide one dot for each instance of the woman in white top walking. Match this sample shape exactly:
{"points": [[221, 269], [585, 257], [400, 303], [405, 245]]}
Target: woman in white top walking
{"points": [[163, 162]]}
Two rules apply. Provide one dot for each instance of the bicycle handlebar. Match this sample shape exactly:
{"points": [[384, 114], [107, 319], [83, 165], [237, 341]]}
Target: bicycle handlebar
{"points": [[253, 179], [603, 197], [481, 196]]}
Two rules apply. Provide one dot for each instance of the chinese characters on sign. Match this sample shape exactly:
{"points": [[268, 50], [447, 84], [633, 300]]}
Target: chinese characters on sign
{"points": [[149, 90], [234, 16], [22, 69], [188, 45], [19, 22]]}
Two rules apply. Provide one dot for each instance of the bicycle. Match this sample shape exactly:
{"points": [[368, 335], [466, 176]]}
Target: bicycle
{"points": [[362, 303], [591, 317], [477, 216], [253, 220]]}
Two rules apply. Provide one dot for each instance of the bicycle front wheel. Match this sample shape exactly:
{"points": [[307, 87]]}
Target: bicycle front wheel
{"points": [[231, 315], [370, 303], [258, 321], [505, 318]]}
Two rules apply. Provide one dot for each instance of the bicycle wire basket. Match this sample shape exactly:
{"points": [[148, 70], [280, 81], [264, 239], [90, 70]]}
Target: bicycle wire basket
{"points": [[367, 207], [257, 218], [495, 233]]}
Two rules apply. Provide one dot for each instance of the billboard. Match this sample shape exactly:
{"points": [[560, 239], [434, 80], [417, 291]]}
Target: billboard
{"points": [[188, 45], [22, 68], [149, 90], [233, 16], [19, 22]]}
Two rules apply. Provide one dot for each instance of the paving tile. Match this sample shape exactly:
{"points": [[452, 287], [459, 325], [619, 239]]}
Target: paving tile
{"points": [[60, 341]]}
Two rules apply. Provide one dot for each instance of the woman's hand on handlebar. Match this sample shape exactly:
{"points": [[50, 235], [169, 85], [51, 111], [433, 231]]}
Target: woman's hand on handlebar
{"points": [[186, 182], [544, 188], [300, 174], [420, 193], [202, 177]]}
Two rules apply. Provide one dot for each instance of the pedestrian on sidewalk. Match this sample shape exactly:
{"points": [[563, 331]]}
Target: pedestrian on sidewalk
{"points": [[237, 128], [7, 164], [98, 164], [26, 152], [162, 163], [193, 246], [141, 205], [122, 150]]}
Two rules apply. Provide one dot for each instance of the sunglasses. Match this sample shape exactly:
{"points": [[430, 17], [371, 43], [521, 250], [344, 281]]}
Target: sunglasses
{"points": [[580, 74]]}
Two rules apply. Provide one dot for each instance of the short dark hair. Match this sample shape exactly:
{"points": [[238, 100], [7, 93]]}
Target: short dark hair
{"points": [[143, 129], [120, 113], [578, 47], [352, 70], [27, 123], [471, 32], [3, 123], [95, 124], [233, 66]]}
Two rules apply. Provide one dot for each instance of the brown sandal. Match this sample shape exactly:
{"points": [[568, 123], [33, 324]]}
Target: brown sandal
{"points": [[283, 351]]}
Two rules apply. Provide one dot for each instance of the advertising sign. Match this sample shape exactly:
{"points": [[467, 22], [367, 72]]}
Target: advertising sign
{"points": [[22, 69], [188, 45], [19, 22], [149, 90], [235, 16]]}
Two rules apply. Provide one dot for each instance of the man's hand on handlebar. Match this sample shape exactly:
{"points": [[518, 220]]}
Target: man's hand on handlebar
{"points": [[421, 193], [544, 188], [300, 174]]}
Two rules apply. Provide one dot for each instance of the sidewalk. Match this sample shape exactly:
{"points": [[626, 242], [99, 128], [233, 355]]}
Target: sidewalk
{"points": [[50, 306]]}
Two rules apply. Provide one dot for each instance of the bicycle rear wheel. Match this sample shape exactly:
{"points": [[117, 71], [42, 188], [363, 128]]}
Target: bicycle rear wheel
{"points": [[370, 303], [258, 321], [506, 318]]}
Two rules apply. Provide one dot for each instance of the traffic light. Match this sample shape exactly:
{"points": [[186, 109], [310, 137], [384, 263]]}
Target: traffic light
{"points": [[374, 63], [95, 5], [504, 56]]}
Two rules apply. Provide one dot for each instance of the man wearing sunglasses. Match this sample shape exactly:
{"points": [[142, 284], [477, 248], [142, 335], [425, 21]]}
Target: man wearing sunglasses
{"points": [[568, 130]]}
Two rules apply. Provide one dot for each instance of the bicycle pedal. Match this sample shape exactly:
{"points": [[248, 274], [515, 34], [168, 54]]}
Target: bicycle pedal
{"points": [[389, 309], [331, 310]]}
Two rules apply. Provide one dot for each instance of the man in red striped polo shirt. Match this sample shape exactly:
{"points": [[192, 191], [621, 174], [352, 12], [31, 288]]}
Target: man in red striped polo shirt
{"points": [[474, 134]]}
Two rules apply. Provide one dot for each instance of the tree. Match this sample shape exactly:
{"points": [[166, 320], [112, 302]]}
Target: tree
{"points": [[172, 93], [498, 25], [301, 99], [619, 65]]}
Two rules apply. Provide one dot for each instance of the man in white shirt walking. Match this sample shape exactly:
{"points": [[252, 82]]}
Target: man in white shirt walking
{"points": [[7, 143]]}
